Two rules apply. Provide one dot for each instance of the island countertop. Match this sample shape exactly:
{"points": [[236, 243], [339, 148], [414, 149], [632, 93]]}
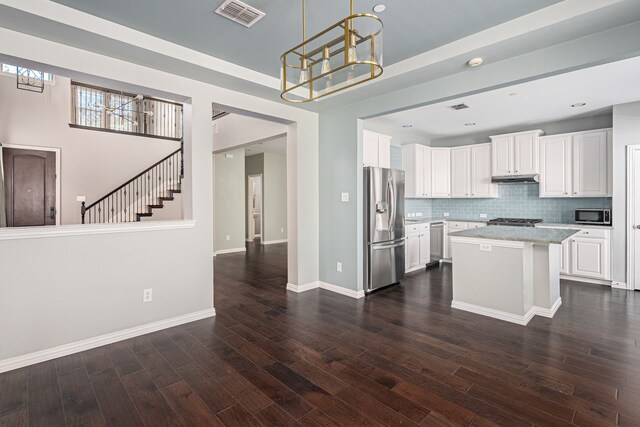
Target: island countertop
{"points": [[539, 236]]}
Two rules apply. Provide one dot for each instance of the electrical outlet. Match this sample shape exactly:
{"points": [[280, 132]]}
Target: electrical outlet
{"points": [[228, 237], [282, 230], [418, 213], [483, 215], [344, 197], [81, 198], [147, 295], [339, 267], [228, 156], [485, 248], [446, 214]]}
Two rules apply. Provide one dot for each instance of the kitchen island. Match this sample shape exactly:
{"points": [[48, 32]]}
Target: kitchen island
{"points": [[506, 272]]}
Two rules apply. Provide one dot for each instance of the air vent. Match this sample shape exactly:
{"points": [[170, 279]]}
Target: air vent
{"points": [[218, 113], [240, 12], [459, 106]]}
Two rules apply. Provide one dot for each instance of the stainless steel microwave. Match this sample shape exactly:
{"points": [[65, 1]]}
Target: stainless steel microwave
{"points": [[593, 216]]}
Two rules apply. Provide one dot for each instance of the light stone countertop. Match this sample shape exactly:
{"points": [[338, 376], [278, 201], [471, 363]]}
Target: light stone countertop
{"points": [[423, 220], [539, 236]]}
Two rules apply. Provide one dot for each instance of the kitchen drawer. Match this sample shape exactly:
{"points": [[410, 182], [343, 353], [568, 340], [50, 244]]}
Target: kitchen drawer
{"points": [[476, 224], [596, 234], [457, 225], [413, 228]]}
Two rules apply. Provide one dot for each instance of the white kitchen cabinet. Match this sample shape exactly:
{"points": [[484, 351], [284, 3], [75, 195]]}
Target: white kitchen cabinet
{"points": [[376, 149], [440, 172], [461, 172], [481, 185], [589, 257], [590, 164], [555, 166], [501, 147], [416, 163], [576, 164], [425, 244], [515, 154], [412, 251], [564, 257], [450, 227]]}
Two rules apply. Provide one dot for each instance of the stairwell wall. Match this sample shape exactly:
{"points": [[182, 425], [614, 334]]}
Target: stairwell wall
{"points": [[93, 163]]}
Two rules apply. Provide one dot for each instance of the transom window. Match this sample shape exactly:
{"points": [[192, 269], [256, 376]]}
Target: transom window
{"points": [[12, 69]]}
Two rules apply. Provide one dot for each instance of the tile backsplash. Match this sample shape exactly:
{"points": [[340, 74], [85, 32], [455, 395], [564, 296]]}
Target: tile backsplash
{"points": [[513, 201]]}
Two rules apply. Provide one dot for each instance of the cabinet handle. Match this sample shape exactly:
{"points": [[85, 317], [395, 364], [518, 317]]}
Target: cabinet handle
{"points": [[575, 192], [638, 227], [516, 170]]}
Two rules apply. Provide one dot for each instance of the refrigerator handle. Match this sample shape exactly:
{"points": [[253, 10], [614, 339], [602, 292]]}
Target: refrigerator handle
{"points": [[392, 198]]}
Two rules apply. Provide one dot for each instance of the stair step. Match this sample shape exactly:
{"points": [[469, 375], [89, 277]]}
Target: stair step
{"points": [[160, 206], [165, 198], [144, 214]]}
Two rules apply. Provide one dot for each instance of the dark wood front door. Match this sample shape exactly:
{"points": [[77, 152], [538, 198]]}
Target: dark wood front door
{"points": [[30, 187]]}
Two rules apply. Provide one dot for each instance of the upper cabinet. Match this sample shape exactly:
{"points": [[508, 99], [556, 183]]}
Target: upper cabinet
{"points": [[440, 172], [515, 153], [576, 164], [461, 172], [481, 185], [376, 149], [416, 162]]}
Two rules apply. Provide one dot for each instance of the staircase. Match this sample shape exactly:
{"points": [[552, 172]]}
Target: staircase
{"points": [[138, 197]]}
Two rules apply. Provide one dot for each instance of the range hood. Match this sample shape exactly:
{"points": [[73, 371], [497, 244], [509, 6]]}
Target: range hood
{"points": [[515, 179]]}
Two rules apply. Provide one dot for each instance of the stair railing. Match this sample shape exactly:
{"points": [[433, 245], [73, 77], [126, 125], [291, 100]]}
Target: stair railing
{"points": [[137, 197]]}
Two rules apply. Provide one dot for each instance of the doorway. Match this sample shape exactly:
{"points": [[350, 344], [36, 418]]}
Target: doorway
{"points": [[254, 207], [633, 216], [31, 185]]}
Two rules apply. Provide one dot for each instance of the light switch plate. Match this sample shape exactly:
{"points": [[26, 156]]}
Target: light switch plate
{"points": [[344, 197], [81, 198], [339, 267], [228, 156], [446, 214], [483, 215], [418, 213]]}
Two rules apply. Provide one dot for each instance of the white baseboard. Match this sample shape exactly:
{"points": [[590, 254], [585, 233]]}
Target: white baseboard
{"points": [[548, 312], [302, 288], [230, 251], [416, 268], [586, 280], [496, 314], [620, 285], [78, 346], [274, 242], [326, 286]]}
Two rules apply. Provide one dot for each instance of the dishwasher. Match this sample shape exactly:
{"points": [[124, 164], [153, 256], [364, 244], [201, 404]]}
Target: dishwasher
{"points": [[437, 243]]}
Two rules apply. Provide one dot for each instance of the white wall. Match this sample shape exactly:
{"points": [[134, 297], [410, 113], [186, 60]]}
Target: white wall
{"points": [[229, 200], [93, 163], [275, 198], [626, 131], [237, 130], [89, 285]]}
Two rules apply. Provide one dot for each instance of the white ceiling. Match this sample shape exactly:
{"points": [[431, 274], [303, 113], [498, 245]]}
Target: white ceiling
{"points": [[274, 146], [534, 102]]}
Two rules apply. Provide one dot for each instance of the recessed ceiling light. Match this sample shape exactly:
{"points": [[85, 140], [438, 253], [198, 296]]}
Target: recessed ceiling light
{"points": [[475, 62], [470, 124], [379, 8], [578, 104], [407, 126]]}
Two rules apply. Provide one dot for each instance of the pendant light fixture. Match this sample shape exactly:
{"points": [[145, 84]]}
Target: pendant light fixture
{"points": [[343, 55]]}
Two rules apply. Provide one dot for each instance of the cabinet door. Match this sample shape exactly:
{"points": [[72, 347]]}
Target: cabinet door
{"points": [[460, 172], [440, 172], [589, 257], [525, 154], [425, 247], [369, 148], [590, 164], [481, 185], [412, 185], [413, 250], [502, 155], [555, 166], [384, 151], [425, 166]]}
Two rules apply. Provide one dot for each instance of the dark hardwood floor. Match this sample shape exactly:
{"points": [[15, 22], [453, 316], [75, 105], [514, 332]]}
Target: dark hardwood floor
{"points": [[399, 357]]}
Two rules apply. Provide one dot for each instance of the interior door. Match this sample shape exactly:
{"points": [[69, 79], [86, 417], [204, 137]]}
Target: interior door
{"points": [[30, 187], [634, 200]]}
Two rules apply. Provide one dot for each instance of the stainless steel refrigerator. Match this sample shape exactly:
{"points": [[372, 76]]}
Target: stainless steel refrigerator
{"points": [[384, 234]]}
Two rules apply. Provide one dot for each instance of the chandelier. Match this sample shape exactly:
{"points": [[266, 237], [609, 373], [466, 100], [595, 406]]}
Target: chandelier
{"points": [[344, 55]]}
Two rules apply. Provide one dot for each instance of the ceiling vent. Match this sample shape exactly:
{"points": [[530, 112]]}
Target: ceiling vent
{"points": [[459, 106], [240, 12]]}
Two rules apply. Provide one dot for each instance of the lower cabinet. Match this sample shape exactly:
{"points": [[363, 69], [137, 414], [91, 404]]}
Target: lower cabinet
{"points": [[418, 247], [587, 255]]}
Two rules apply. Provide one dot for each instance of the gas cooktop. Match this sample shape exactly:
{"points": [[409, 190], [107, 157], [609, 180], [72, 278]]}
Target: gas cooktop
{"points": [[521, 222]]}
